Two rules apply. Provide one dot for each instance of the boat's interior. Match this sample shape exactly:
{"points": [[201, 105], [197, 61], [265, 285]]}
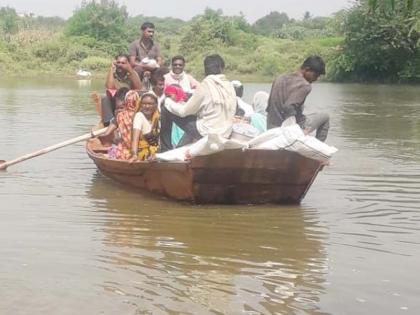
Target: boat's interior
{"points": [[96, 146]]}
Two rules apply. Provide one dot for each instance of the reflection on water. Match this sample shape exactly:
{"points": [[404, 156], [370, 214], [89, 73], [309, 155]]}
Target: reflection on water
{"points": [[211, 259], [84, 83], [71, 239]]}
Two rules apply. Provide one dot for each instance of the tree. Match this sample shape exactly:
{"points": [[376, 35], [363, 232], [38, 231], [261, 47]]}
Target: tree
{"points": [[381, 42], [103, 21], [208, 31], [8, 21], [390, 6], [271, 23]]}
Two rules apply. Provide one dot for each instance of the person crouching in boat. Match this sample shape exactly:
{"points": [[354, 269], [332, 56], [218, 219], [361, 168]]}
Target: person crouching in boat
{"points": [[127, 104], [145, 140]]}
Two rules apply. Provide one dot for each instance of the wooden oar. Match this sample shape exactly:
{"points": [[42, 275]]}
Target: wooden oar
{"points": [[5, 164]]}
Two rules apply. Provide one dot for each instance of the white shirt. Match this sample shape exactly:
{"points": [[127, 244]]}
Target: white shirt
{"points": [[141, 123], [160, 101], [245, 107], [214, 104]]}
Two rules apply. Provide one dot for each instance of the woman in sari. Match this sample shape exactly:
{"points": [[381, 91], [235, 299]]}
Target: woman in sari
{"points": [[146, 128], [127, 104]]}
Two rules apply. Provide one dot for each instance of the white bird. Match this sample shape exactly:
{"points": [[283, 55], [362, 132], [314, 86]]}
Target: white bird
{"points": [[83, 74]]}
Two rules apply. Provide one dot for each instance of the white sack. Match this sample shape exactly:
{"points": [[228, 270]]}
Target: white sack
{"points": [[177, 154], [312, 148], [280, 138], [271, 133], [291, 137], [207, 145]]}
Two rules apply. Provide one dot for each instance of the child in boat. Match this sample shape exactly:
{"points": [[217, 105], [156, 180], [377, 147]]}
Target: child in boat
{"points": [[126, 106], [145, 140], [177, 94]]}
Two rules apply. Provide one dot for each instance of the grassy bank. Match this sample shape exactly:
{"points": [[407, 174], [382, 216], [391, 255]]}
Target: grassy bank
{"points": [[33, 53], [361, 44]]}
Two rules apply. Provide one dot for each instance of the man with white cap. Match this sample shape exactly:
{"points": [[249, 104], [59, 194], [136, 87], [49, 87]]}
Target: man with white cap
{"points": [[239, 89]]}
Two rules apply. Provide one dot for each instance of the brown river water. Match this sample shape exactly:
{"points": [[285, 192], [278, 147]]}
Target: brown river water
{"points": [[74, 242]]}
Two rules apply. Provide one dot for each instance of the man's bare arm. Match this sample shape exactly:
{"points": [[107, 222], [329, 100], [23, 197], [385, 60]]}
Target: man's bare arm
{"points": [[109, 83]]}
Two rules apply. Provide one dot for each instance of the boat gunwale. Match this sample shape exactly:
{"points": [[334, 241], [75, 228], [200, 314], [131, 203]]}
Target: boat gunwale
{"points": [[100, 156]]}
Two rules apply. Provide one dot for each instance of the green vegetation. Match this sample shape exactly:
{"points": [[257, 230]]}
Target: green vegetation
{"points": [[382, 43], [99, 30], [374, 40]]}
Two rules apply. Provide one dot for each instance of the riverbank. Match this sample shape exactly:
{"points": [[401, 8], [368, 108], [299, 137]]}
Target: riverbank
{"points": [[101, 75], [33, 53]]}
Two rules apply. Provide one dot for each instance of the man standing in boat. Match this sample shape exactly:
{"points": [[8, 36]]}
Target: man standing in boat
{"points": [[210, 110], [288, 94], [145, 52]]}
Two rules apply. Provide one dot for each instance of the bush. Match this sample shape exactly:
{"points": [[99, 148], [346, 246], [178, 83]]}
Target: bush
{"points": [[50, 51], [103, 21], [77, 53], [95, 63]]}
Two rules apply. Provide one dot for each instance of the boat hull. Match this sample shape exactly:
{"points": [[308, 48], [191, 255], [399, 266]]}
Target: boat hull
{"points": [[227, 177]]}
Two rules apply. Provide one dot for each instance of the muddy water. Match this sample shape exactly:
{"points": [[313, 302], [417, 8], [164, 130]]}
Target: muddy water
{"points": [[74, 242]]}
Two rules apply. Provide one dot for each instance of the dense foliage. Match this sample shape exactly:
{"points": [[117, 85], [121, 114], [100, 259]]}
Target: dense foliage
{"points": [[381, 42], [271, 23], [8, 21], [374, 40], [99, 30]]}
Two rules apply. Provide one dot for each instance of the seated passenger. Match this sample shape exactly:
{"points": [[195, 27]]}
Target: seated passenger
{"points": [[177, 94], [127, 103], [145, 78], [120, 75], [145, 140], [209, 111], [180, 77], [158, 84], [288, 95], [259, 117], [239, 90], [145, 52]]}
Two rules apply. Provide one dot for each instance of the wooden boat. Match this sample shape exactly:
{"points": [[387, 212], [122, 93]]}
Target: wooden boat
{"points": [[228, 177]]}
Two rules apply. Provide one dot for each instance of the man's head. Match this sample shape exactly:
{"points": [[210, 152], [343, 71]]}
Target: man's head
{"points": [[178, 64], [121, 63], [158, 80], [148, 30], [239, 88], [213, 64], [312, 68], [119, 98], [158, 85]]}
